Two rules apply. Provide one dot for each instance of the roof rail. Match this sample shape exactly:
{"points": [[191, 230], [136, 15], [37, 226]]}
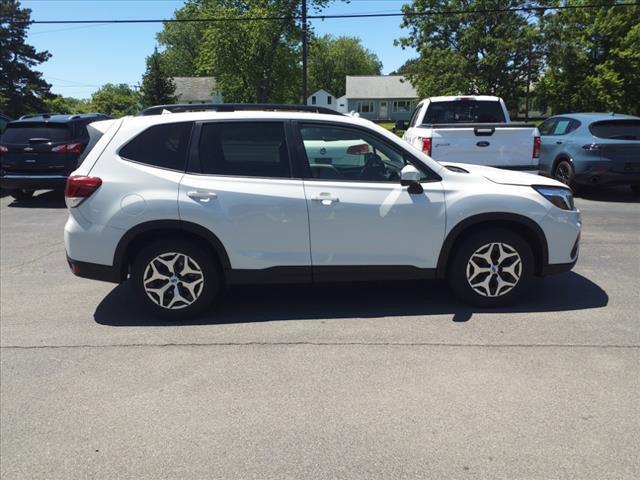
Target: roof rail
{"points": [[33, 115], [235, 107]]}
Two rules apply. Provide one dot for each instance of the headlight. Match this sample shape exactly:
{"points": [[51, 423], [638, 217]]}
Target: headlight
{"points": [[560, 197]]}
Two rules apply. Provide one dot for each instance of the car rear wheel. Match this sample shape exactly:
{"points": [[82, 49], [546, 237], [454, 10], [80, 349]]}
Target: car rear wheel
{"points": [[175, 279], [563, 172], [22, 194], [491, 268]]}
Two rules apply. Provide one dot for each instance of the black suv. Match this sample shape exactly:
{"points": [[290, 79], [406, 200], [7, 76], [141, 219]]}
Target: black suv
{"points": [[40, 151]]}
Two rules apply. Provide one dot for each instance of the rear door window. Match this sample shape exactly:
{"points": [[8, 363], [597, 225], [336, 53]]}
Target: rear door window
{"points": [[245, 149], [616, 129], [163, 146], [562, 126], [464, 111], [24, 133]]}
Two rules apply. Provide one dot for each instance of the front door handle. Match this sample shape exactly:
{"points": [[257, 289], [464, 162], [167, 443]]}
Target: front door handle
{"points": [[201, 195], [325, 198], [559, 142]]}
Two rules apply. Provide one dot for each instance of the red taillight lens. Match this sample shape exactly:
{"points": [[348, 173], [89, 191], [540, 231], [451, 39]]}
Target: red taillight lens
{"points": [[3, 149], [426, 145], [79, 188], [68, 148], [536, 147]]}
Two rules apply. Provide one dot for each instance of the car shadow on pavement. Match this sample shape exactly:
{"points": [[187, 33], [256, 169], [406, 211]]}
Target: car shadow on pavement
{"points": [[247, 304], [44, 199], [621, 194]]}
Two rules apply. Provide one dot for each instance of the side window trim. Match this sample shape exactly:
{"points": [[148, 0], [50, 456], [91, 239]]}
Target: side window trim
{"points": [[194, 167], [302, 160]]}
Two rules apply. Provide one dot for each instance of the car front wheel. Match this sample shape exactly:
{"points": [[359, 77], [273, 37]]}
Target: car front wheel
{"points": [[175, 279], [491, 268]]}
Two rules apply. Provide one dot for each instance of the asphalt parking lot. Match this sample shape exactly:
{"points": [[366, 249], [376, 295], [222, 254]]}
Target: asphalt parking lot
{"points": [[393, 380]]}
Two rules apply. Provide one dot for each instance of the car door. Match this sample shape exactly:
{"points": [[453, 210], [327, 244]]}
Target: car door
{"points": [[548, 146], [239, 186], [359, 213]]}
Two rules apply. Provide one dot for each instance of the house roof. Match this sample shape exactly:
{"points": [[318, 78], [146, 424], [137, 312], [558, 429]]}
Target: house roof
{"points": [[194, 89], [379, 86]]}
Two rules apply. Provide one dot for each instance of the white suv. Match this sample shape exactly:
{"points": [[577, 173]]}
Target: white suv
{"points": [[186, 203]]}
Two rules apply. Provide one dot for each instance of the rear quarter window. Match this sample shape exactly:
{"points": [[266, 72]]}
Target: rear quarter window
{"points": [[163, 146], [616, 129]]}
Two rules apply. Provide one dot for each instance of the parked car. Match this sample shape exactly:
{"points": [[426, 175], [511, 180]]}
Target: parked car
{"points": [[185, 203], [592, 149], [4, 120], [475, 130], [39, 151]]}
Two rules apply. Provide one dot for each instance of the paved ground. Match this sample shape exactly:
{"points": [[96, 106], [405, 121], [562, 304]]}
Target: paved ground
{"points": [[371, 381]]}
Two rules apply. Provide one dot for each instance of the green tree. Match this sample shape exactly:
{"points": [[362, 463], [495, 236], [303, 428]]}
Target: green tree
{"points": [[68, 105], [157, 88], [592, 58], [332, 59], [406, 68], [115, 100], [481, 53], [252, 60], [22, 90]]}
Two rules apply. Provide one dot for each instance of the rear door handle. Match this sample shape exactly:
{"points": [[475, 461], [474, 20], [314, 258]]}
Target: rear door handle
{"points": [[325, 198], [201, 195]]}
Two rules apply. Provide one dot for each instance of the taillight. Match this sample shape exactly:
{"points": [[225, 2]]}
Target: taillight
{"points": [[426, 145], [536, 147], [68, 148], [3, 149], [79, 188]]}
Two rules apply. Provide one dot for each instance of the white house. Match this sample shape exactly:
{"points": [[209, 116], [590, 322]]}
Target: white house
{"points": [[322, 98], [196, 90], [380, 97]]}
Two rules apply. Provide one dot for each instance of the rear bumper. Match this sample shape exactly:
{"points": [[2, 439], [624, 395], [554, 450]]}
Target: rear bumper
{"points": [[607, 178], [32, 182], [94, 271]]}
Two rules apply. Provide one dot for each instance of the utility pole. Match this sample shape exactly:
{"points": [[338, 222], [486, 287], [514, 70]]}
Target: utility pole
{"points": [[304, 52], [526, 105]]}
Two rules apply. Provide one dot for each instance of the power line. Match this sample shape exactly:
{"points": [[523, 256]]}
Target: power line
{"points": [[327, 17]]}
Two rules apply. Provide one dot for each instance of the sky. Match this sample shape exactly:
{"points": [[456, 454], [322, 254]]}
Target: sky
{"points": [[84, 57]]}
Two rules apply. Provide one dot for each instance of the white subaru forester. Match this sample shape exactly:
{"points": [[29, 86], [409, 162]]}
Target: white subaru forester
{"points": [[185, 203]]}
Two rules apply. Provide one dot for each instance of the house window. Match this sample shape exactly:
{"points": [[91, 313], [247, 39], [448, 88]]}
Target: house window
{"points": [[313, 100], [365, 107], [402, 105], [328, 99]]}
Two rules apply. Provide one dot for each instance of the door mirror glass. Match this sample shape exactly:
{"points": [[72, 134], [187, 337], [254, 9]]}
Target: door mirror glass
{"points": [[410, 177]]}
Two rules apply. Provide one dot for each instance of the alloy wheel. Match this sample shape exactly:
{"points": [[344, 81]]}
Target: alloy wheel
{"points": [[494, 269], [173, 280], [563, 173]]}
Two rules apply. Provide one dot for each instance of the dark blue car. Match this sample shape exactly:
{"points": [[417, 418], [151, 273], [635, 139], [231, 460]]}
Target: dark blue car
{"points": [[592, 149]]}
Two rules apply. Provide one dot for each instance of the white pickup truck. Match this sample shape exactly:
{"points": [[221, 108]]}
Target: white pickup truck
{"points": [[472, 129]]}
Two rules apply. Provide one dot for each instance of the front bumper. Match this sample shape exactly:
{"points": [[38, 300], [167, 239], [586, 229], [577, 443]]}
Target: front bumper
{"points": [[32, 182]]}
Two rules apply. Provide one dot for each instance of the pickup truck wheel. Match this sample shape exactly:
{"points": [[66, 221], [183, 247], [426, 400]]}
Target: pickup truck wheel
{"points": [[175, 279], [22, 194], [491, 268], [563, 172]]}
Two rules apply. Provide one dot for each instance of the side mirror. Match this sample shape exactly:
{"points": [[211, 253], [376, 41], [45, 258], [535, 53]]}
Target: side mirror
{"points": [[400, 125], [410, 177]]}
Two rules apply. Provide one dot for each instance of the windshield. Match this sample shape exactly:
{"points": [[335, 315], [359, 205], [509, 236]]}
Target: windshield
{"points": [[464, 111]]}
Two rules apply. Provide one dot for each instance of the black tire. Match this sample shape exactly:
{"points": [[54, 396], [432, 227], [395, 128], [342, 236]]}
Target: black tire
{"points": [[461, 256], [563, 172], [205, 295], [22, 194]]}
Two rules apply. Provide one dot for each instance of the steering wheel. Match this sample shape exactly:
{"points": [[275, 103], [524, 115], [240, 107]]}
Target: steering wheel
{"points": [[374, 168]]}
